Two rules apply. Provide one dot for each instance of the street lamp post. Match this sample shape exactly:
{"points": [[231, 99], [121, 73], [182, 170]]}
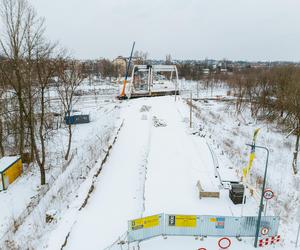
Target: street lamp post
{"points": [[262, 193]]}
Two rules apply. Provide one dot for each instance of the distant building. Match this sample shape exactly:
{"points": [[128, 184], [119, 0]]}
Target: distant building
{"points": [[121, 63], [205, 71]]}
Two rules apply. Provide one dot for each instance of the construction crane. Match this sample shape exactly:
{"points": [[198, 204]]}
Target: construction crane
{"points": [[123, 96]]}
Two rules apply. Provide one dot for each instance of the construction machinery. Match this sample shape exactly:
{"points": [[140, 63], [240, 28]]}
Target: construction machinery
{"points": [[123, 96]]}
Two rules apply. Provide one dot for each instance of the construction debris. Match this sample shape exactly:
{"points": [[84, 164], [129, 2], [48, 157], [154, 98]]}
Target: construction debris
{"points": [[158, 122], [145, 108], [50, 215]]}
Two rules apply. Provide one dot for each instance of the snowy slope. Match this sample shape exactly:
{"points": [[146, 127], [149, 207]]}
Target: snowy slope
{"points": [[26, 201]]}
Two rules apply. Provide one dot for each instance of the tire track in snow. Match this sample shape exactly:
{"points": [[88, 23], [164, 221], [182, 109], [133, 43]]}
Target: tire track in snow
{"points": [[143, 169], [142, 173]]}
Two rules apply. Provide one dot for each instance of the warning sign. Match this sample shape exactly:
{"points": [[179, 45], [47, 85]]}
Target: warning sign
{"points": [[183, 220], [264, 231], [268, 194], [213, 219], [146, 222], [220, 222], [224, 243]]}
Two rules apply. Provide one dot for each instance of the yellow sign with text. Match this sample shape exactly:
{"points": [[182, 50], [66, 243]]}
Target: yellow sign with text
{"points": [[146, 222], [183, 220], [213, 220]]}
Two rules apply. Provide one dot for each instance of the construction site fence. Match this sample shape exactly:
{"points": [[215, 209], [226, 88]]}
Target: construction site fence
{"points": [[200, 225]]}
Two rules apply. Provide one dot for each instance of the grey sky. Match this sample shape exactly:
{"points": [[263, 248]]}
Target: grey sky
{"points": [[187, 29]]}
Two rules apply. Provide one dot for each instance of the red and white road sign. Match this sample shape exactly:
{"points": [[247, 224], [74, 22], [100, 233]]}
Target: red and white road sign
{"points": [[224, 243], [275, 239], [264, 231], [269, 241], [268, 194], [201, 248]]}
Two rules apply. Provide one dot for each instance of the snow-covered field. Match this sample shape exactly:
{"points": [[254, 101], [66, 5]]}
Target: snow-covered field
{"points": [[24, 204], [153, 167]]}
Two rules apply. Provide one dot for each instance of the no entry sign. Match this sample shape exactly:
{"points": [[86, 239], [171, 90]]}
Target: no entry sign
{"points": [[264, 231], [268, 194], [224, 243]]}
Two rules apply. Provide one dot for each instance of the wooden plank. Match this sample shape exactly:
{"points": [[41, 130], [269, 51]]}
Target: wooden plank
{"points": [[209, 194], [204, 193]]}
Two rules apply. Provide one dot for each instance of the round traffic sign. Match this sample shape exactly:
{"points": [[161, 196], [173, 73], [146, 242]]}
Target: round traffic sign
{"points": [[224, 243], [268, 194], [264, 231], [201, 248]]}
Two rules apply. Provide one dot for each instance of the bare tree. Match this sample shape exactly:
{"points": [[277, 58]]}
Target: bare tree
{"points": [[27, 53], [13, 13], [273, 94], [291, 104], [168, 59], [140, 57], [70, 77], [44, 69]]}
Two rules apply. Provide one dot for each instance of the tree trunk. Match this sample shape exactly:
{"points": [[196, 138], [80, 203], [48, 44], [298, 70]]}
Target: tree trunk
{"points": [[42, 139], [70, 140], [295, 169], [21, 127], [40, 162], [19, 89], [2, 152]]}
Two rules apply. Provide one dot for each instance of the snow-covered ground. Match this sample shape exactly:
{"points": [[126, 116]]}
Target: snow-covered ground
{"points": [[25, 202], [153, 167], [228, 134]]}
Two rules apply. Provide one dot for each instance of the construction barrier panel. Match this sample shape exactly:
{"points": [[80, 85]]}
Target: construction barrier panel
{"points": [[219, 225], [200, 225], [176, 224], [145, 228], [248, 225]]}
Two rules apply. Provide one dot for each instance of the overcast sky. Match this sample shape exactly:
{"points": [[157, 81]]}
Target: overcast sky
{"points": [[186, 29]]}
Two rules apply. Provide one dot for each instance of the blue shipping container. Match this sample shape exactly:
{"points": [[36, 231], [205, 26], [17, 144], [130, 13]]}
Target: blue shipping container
{"points": [[77, 119]]}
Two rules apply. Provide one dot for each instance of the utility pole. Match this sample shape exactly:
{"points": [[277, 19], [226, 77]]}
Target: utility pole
{"points": [[298, 220], [262, 194], [296, 245]]}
